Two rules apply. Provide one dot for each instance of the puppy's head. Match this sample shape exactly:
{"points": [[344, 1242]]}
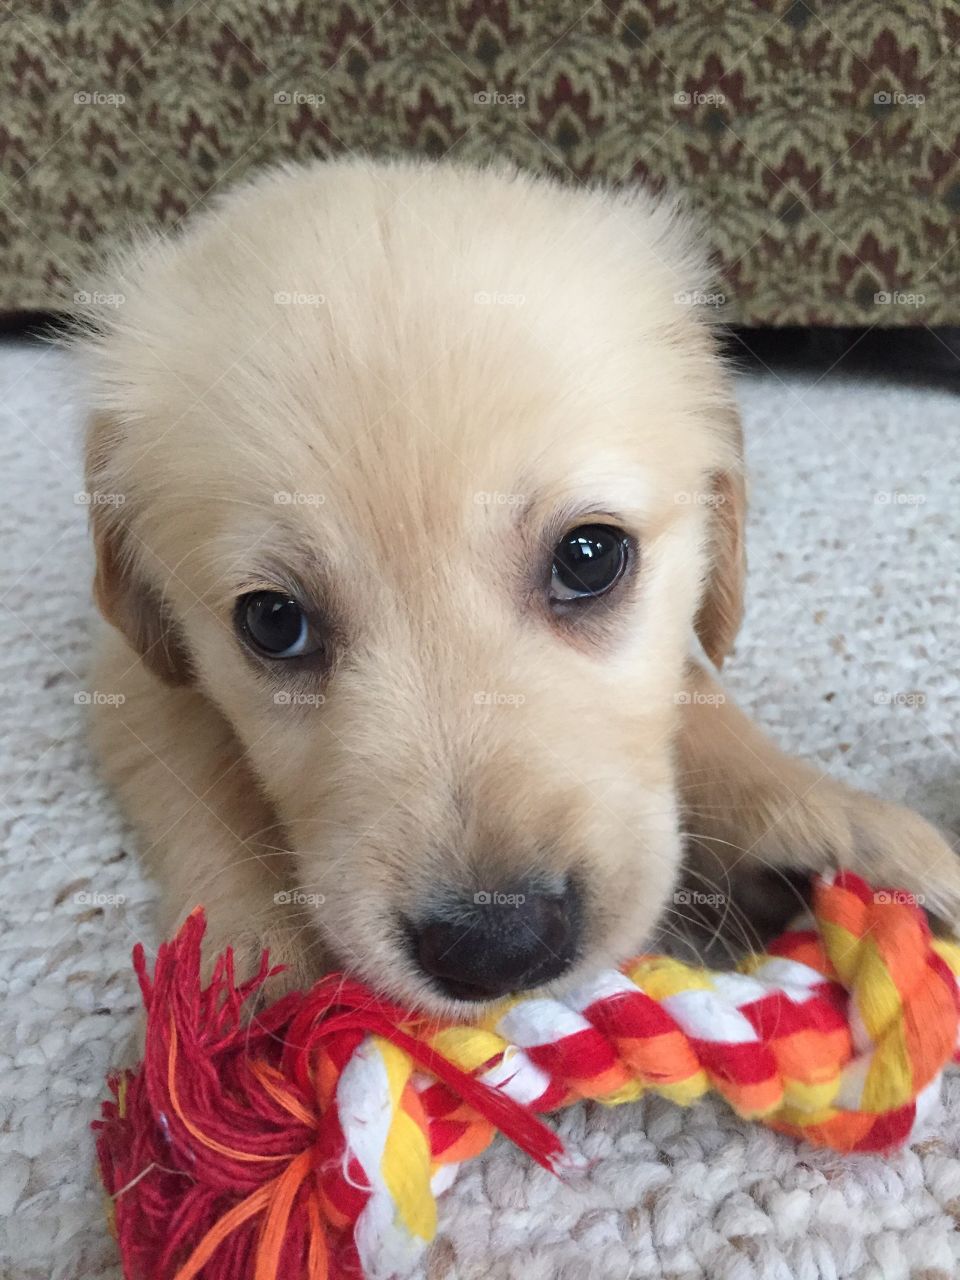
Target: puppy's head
{"points": [[427, 476]]}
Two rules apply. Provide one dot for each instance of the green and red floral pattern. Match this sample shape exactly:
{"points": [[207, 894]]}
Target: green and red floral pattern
{"points": [[819, 141]]}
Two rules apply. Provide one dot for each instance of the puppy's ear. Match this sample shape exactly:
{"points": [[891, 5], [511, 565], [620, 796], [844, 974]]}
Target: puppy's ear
{"points": [[721, 610], [126, 600]]}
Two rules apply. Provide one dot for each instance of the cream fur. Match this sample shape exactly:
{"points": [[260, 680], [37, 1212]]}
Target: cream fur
{"points": [[435, 444]]}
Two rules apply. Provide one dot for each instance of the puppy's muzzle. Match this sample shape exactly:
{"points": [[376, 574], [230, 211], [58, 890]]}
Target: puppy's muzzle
{"points": [[496, 942]]}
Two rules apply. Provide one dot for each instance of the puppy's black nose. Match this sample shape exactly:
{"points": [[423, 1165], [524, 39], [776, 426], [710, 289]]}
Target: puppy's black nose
{"points": [[497, 942]]}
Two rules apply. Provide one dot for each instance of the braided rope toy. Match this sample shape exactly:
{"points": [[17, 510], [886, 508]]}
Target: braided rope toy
{"points": [[312, 1142]]}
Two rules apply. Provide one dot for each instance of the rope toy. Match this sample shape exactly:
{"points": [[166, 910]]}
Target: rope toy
{"points": [[311, 1142]]}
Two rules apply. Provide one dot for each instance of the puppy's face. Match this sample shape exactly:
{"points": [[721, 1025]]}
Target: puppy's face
{"points": [[416, 468]]}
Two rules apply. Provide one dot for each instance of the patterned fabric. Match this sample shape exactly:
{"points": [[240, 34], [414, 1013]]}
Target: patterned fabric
{"points": [[820, 141]]}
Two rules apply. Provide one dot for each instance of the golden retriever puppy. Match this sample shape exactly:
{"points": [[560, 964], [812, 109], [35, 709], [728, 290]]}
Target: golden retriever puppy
{"points": [[410, 487]]}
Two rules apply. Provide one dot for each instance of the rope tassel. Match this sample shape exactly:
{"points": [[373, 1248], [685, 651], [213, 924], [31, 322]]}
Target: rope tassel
{"points": [[310, 1143]]}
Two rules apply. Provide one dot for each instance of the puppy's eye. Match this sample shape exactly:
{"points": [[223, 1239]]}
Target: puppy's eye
{"points": [[275, 625], [588, 561]]}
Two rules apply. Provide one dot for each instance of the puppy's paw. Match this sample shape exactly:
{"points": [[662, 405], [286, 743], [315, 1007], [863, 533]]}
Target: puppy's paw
{"points": [[300, 953], [894, 847], [298, 949], [744, 888]]}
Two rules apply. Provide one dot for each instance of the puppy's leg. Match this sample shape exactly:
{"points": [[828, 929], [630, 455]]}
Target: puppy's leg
{"points": [[206, 834], [750, 808]]}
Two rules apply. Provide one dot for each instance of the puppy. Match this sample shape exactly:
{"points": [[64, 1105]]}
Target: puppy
{"points": [[412, 488]]}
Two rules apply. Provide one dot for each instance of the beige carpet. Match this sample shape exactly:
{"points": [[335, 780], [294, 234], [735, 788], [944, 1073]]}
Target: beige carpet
{"points": [[852, 614]]}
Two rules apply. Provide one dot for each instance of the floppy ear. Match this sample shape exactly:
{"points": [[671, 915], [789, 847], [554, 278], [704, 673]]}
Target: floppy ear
{"points": [[126, 600], [721, 610]]}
